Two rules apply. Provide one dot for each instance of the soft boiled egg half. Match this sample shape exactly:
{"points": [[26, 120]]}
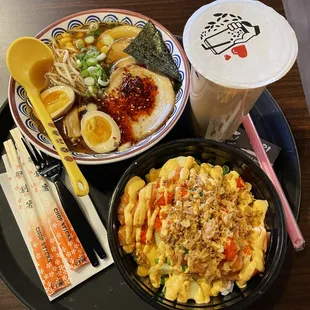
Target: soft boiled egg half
{"points": [[58, 100], [100, 132]]}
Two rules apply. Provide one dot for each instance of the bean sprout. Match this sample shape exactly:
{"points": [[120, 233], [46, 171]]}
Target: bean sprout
{"points": [[64, 72]]}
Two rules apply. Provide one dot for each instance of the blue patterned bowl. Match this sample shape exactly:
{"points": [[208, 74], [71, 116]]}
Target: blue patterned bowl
{"points": [[22, 113]]}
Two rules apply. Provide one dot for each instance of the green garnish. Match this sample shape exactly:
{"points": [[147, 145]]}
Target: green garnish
{"points": [[163, 280], [156, 260], [201, 193], [181, 247], [163, 292], [91, 61], [79, 43], [184, 267], [97, 33], [85, 73], [168, 261], [225, 169], [95, 76]]}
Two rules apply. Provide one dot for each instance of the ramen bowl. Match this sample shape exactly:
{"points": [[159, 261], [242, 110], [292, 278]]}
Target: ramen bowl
{"points": [[262, 188], [30, 127]]}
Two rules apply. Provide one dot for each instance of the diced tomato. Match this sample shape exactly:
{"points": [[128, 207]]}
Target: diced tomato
{"points": [[230, 250], [170, 197], [143, 234], [161, 201], [183, 191], [240, 182], [157, 224], [247, 250]]}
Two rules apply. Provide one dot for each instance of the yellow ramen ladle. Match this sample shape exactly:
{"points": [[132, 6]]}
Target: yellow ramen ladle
{"points": [[28, 59]]}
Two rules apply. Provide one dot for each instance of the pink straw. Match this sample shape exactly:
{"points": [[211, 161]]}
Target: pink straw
{"points": [[292, 226]]}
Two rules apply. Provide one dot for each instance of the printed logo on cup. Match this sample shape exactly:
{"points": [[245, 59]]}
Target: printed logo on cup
{"points": [[228, 33], [240, 44]]}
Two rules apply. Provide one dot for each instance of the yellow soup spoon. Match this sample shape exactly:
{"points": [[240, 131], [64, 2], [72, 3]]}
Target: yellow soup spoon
{"points": [[28, 59]]}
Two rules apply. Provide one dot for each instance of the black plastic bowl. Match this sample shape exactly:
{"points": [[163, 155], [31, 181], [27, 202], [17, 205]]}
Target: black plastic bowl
{"points": [[214, 153]]}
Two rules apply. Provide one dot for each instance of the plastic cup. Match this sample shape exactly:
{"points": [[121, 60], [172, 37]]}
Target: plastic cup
{"points": [[236, 48]]}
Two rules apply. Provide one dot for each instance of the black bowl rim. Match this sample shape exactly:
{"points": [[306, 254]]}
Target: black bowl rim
{"points": [[281, 245]]}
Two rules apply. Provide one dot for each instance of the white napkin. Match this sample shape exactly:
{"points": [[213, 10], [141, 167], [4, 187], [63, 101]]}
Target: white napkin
{"points": [[85, 272]]}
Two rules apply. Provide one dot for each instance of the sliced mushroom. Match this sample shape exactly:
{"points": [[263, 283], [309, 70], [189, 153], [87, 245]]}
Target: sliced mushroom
{"points": [[71, 123]]}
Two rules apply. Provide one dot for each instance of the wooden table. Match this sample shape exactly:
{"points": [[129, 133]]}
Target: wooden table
{"points": [[18, 18]]}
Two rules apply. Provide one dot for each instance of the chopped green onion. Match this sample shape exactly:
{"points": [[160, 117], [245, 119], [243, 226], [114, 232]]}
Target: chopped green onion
{"points": [[79, 63], [91, 61], [93, 52], [99, 71], [184, 267], [156, 260], [100, 91], [97, 32], [93, 90], [181, 247], [107, 40], [93, 26], [163, 280], [163, 292], [225, 169], [84, 73], [168, 261], [101, 56], [104, 76], [84, 65], [92, 69], [102, 82], [89, 81], [89, 40], [79, 43], [83, 50], [201, 193], [87, 94], [94, 76]]}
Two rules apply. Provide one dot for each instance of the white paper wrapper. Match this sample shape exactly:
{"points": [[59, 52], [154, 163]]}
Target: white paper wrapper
{"points": [[85, 272]]}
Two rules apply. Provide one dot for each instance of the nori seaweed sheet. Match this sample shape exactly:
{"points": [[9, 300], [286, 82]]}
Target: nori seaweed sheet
{"points": [[149, 48]]}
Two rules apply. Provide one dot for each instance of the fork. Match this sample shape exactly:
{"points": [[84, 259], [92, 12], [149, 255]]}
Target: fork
{"points": [[51, 169]]}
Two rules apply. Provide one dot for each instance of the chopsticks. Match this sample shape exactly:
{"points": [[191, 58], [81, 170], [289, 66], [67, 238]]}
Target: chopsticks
{"points": [[57, 219], [293, 230], [52, 270]]}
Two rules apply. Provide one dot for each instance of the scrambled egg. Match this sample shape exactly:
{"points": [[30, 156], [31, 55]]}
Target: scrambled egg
{"points": [[194, 230]]}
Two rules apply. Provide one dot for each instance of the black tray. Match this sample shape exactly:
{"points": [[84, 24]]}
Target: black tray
{"points": [[107, 290]]}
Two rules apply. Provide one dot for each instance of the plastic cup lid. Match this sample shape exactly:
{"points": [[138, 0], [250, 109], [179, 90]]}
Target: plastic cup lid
{"points": [[240, 43]]}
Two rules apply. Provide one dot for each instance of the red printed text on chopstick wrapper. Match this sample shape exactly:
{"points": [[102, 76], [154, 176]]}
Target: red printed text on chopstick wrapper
{"points": [[57, 219]]}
